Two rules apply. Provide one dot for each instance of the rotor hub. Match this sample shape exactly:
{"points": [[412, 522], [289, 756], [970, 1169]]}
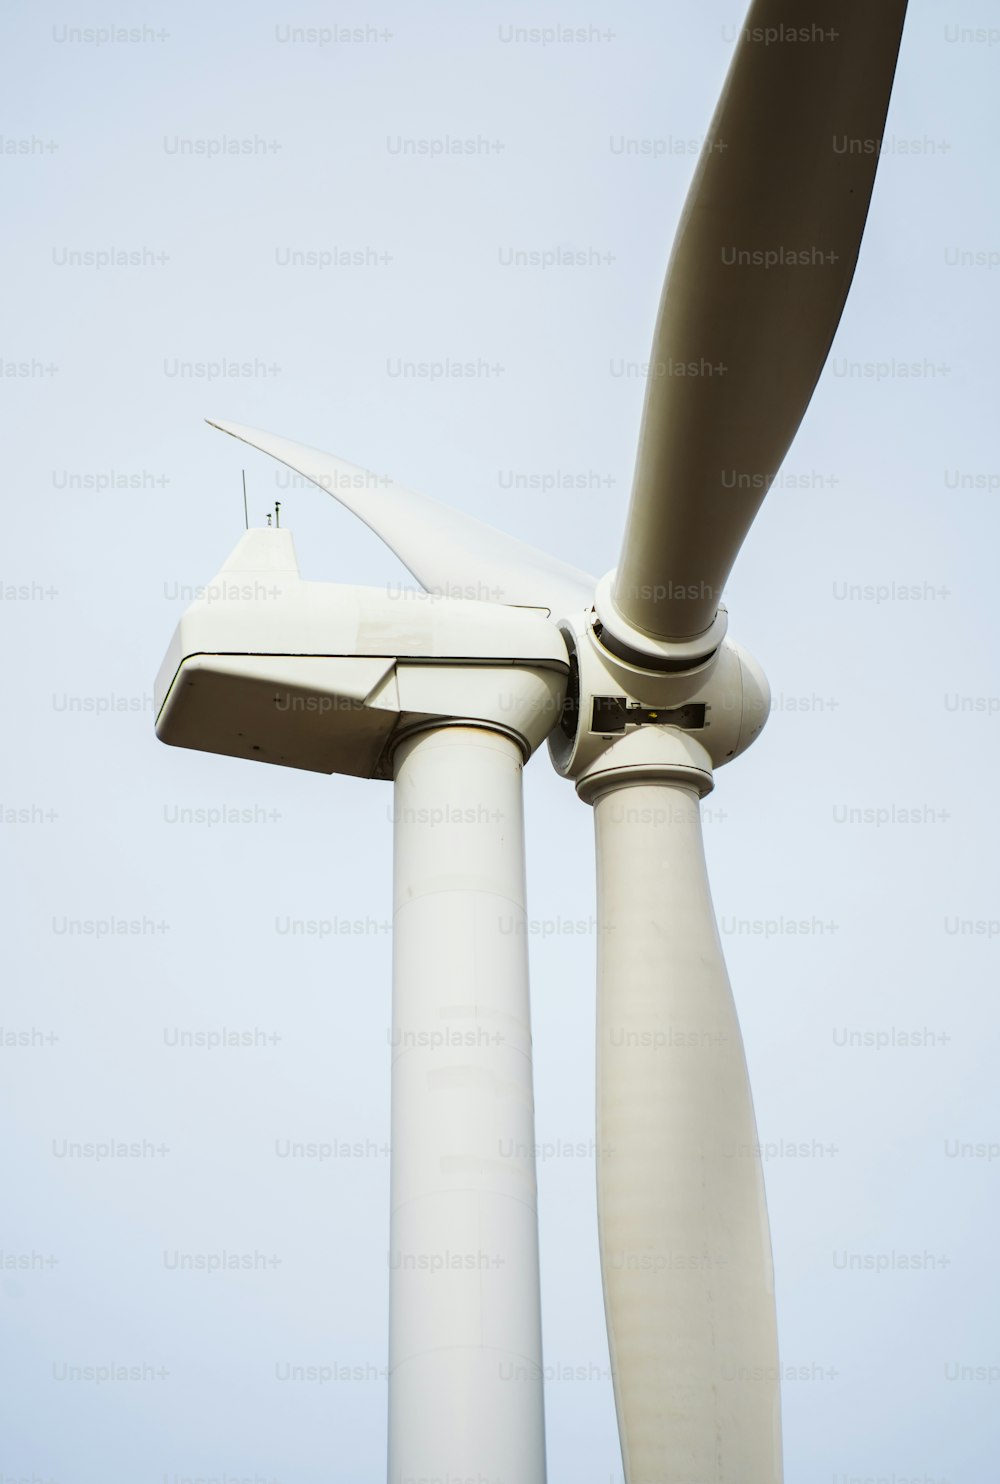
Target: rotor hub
{"points": [[694, 719]]}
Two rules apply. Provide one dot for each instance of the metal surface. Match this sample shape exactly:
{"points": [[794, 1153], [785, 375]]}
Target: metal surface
{"points": [[465, 1356]]}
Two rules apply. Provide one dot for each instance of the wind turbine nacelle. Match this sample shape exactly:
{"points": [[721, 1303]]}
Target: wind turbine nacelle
{"points": [[316, 675]]}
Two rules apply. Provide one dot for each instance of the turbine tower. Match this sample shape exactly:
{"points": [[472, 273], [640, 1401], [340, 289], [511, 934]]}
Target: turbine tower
{"points": [[642, 695]]}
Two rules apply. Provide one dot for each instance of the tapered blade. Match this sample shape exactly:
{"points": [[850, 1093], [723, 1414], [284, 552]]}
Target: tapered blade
{"points": [[685, 1247], [760, 271], [451, 554]]}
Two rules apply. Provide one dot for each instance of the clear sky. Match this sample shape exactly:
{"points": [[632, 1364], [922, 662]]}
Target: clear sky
{"points": [[866, 591]]}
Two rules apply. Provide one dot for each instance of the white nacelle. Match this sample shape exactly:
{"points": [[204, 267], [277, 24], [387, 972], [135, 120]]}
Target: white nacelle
{"points": [[326, 677]]}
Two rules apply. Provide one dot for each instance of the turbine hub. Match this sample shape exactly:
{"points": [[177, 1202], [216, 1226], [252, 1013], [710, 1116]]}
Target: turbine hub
{"points": [[695, 718]]}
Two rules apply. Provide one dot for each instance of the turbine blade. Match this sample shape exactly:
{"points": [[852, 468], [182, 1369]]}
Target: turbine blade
{"points": [[761, 267], [685, 1247], [448, 553]]}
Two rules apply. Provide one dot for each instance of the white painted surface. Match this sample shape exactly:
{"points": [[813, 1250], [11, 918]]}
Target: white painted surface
{"points": [[465, 1377], [685, 1250], [449, 553]]}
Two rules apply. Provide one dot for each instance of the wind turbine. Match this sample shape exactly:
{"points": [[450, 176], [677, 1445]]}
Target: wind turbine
{"points": [[642, 695]]}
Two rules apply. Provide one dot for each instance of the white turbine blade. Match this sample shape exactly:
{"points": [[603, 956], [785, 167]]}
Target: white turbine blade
{"points": [[448, 553], [761, 268], [685, 1247]]}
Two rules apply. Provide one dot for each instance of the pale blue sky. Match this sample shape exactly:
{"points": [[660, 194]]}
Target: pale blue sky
{"points": [[90, 580]]}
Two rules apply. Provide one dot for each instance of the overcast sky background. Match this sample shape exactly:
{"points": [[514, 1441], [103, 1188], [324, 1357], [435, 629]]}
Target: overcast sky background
{"points": [[118, 498]]}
